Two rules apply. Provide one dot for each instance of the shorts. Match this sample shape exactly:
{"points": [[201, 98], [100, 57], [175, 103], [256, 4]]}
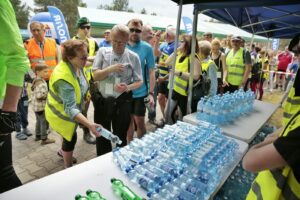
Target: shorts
{"points": [[163, 88], [138, 107], [69, 146]]}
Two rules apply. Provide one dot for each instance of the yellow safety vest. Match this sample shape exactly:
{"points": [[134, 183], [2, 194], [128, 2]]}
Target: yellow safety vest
{"points": [[265, 74], [236, 67], [163, 69], [291, 106], [277, 184], [54, 110], [181, 85], [205, 65]]}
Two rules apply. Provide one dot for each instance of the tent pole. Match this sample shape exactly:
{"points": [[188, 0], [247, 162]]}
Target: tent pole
{"points": [[191, 79], [252, 40], [171, 76]]}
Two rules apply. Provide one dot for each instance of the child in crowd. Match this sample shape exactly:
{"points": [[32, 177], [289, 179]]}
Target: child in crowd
{"points": [[39, 96], [22, 120]]}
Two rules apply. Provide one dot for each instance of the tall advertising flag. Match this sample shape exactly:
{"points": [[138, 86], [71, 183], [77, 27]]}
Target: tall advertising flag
{"points": [[59, 23], [188, 24]]}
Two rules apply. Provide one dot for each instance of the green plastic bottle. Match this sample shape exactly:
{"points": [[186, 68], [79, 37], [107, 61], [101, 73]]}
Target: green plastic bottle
{"points": [[94, 195], [79, 197], [123, 191]]}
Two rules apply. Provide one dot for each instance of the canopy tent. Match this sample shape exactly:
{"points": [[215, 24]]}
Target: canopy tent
{"points": [[106, 19], [268, 18], [277, 22]]}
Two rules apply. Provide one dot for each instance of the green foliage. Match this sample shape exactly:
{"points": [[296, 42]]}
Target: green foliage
{"points": [[144, 11], [22, 13], [117, 5], [67, 7]]}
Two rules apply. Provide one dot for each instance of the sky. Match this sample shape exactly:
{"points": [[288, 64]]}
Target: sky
{"points": [[165, 8]]}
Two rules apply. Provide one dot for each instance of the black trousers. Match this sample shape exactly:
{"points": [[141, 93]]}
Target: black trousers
{"points": [[231, 88], [115, 113], [8, 177]]}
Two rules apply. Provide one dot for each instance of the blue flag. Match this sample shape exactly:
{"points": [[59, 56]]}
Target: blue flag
{"points": [[188, 24], [60, 25]]}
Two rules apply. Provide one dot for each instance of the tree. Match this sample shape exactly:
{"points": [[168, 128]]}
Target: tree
{"points": [[143, 11], [117, 5], [22, 13], [154, 14], [67, 7]]}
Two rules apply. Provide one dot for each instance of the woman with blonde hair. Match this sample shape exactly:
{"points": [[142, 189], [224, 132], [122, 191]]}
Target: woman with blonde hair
{"points": [[182, 75], [220, 60]]}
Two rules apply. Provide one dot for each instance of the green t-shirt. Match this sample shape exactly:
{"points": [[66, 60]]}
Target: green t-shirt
{"points": [[14, 62]]}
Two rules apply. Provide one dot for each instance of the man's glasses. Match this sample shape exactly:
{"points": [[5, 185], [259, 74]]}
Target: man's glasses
{"points": [[85, 27], [135, 30]]}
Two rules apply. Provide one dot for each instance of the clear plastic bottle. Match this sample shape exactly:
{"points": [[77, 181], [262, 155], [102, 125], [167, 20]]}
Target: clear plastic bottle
{"points": [[108, 135]]}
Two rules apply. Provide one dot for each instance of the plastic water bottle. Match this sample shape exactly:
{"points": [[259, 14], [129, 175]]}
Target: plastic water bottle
{"points": [[148, 105], [108, 135], [94, 195], [79, 197], [124, 191]]}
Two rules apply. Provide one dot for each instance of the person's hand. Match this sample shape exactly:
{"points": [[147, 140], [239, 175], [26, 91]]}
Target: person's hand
{"points": [[117, 68], [225, 83], [121, 87], [157, 35], [91, 58], [151, 100], [160, 79], [93, 128]]}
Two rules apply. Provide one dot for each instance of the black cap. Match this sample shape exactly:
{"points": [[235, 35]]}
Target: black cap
{"points": [[294, 42]]}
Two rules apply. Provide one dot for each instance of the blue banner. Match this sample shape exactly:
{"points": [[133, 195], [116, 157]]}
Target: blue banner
{"points": [[60, 25], [188, 24], [275, 44]]}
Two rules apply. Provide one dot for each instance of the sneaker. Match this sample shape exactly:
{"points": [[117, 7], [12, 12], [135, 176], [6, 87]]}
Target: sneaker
{"points": [[59, 153], [88, 138], [21, 136], [27, 132], [47, 141]]}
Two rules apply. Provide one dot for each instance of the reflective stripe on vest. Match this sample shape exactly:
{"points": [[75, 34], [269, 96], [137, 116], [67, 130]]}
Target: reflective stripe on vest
{"points": [[163, 69], [180, 85], [49, 54], [54, 110], [291, 106], [236, 67], [278, 183]]}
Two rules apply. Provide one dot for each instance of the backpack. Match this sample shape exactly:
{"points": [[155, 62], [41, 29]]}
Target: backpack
{"points": [[255, 71]]}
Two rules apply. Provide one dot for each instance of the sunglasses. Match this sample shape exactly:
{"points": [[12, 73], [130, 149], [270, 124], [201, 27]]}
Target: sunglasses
{"points": [[135, 30], [85, 27]]}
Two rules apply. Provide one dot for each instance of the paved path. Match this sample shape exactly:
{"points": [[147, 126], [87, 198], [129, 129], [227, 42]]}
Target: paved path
{"points": [[33, 160]]}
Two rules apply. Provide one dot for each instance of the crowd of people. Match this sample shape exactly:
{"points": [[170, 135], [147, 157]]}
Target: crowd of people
{"points": [[123, 76]]}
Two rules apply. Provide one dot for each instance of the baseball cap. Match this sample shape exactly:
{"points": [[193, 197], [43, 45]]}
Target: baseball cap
{"points": [[82, 21], [235, 37]]}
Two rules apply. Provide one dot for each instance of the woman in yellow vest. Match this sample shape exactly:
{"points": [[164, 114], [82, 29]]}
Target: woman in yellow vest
{"points": [[182, 74], [68, 88]]}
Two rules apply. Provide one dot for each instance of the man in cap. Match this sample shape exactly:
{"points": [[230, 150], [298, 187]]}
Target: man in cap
{"points": [[107, 39], [83, 33], [238, 66], [277, 157], [208, 36]]}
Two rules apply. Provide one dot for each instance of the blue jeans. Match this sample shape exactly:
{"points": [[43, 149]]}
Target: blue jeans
{"points": [[22, 120]]}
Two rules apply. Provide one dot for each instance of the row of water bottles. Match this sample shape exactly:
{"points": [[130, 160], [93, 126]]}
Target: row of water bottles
{"points": [[226, 108], [181, 161]]}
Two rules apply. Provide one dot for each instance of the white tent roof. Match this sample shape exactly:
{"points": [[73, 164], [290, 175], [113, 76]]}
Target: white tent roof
{"points": [[117, 17]]}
